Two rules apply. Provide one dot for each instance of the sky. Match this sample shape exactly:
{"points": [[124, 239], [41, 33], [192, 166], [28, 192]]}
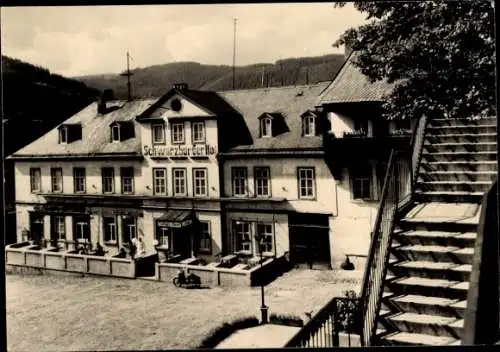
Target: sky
{"points": [[85, 40]]}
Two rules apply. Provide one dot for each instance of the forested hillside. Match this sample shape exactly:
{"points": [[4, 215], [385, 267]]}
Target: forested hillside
{"points": [[156, 80]]}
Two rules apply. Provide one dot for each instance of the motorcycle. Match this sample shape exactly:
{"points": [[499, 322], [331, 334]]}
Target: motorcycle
{"points": [[191, 280]]}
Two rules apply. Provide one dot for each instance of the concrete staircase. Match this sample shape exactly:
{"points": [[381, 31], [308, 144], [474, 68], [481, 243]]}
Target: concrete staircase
{"points": [[427, 281]]}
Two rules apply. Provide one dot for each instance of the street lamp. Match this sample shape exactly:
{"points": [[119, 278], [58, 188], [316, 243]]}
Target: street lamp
{"points": [[263, 308]]}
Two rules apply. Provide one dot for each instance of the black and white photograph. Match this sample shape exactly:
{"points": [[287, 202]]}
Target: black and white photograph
{"points": [[250, 175]]}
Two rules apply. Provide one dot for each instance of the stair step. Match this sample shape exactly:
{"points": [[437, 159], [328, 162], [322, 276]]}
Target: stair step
{"points": [[437, 238], [429, 287], [461, 137], [458, 166], [463, 121], [406, 338], [464, 129], [459, 156], [427, 324], [433, 270], [449, 196], [460, 147], [454, 186], [448, 254], [457, 176]]}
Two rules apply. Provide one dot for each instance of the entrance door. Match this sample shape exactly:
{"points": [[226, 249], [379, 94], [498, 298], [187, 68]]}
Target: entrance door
{"points": [[182, 241], [309, 240], [36, 227]]}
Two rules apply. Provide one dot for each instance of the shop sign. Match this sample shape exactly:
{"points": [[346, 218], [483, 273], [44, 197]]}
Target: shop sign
{"points": [[176, 224], [162, 151]]}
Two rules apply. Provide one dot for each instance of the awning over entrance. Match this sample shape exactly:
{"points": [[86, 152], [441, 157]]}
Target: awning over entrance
{"points": [[175, 218]]}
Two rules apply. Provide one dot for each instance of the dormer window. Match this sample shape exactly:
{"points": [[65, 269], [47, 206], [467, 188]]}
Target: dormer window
{"points": [[266, 127], [115, 133], [63, 135], [309, 124], [70, 132]]}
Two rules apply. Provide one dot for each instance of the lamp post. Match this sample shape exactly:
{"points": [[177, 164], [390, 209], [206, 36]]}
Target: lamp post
{"points": [[263, 308]]}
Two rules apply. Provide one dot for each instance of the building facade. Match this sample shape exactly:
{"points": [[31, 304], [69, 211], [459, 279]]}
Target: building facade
{"points": [[201, 174]]}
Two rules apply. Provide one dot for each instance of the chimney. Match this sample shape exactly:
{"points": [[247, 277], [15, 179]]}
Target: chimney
{"points": [[106, 96], [180, 86]]}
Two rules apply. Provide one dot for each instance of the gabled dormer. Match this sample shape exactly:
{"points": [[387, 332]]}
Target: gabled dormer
{"points": [[310, 124], [121, 131], [69, 132], [272, 124]]}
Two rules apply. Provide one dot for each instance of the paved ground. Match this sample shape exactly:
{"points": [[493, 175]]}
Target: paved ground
{"points": [[264, 336], [62, 313]]}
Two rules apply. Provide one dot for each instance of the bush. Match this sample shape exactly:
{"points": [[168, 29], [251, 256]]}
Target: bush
{"points": [[219, 334], [348, 313], [287, 320]]}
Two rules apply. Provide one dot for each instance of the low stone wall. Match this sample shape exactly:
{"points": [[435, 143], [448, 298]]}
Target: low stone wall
{"points": [[64, 261], [211, 275]]}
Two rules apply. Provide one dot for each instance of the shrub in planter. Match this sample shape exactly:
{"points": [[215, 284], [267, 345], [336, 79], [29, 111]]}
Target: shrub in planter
{"points": [[287, 320], [219, 334], [348, 313]]}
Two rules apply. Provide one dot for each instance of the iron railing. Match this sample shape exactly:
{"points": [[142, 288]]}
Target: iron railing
{"points": [[340, 314], [417, 144], [378, 256]]}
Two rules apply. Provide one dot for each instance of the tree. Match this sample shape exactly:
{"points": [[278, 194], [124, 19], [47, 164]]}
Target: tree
{"points": [[440, 55]]}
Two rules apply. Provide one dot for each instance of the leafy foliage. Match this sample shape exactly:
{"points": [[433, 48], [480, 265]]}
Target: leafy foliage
{"points": [[287, 320], [155, 80], [348, 313], [224, 331], [439, 54]]}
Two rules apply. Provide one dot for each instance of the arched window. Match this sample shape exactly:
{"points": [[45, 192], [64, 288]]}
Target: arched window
{"points": [[308, 125], [115, 133]]}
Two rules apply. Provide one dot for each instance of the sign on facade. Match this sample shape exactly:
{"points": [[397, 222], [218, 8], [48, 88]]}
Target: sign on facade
{"points": [[202, 150], [176, 224]]}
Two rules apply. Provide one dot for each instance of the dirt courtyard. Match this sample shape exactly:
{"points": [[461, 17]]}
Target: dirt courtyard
{"points": [[67, 313]]}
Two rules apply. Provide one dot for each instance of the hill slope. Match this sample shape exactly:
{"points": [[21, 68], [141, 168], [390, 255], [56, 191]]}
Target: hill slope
{"points": [[156, 80]]}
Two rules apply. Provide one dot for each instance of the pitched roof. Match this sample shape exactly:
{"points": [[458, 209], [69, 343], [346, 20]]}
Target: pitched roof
{"points": [[208, 100], [291, 102], [95, 133], [351, 86]]}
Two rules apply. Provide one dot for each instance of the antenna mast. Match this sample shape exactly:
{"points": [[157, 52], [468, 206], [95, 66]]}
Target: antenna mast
{"points": [[234, 53], [128, 74]]}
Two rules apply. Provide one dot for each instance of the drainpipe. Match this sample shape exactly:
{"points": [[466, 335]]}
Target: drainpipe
{"points": [[274, 234]]}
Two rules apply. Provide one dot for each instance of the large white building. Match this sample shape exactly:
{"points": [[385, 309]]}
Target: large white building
{"points": [[200, 173]]}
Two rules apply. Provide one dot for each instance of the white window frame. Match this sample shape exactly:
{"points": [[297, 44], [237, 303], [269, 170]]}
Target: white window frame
{"points": [[129, 225], [359, 181], [266, 127], [114, 128], [107, 178], [200, 184], [157, 185], [153, 134], [79, 227], [309, 126], [205, 237], [198, 131], [55, 186], [79, 180], [306, 175], [110, 229], [178, 135], [127, 180], [244, 239], [35, 180], [63, 135], [60, 227], [266, 229], [179, 182], [262, 183], [236, 181], [163, 236]]}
